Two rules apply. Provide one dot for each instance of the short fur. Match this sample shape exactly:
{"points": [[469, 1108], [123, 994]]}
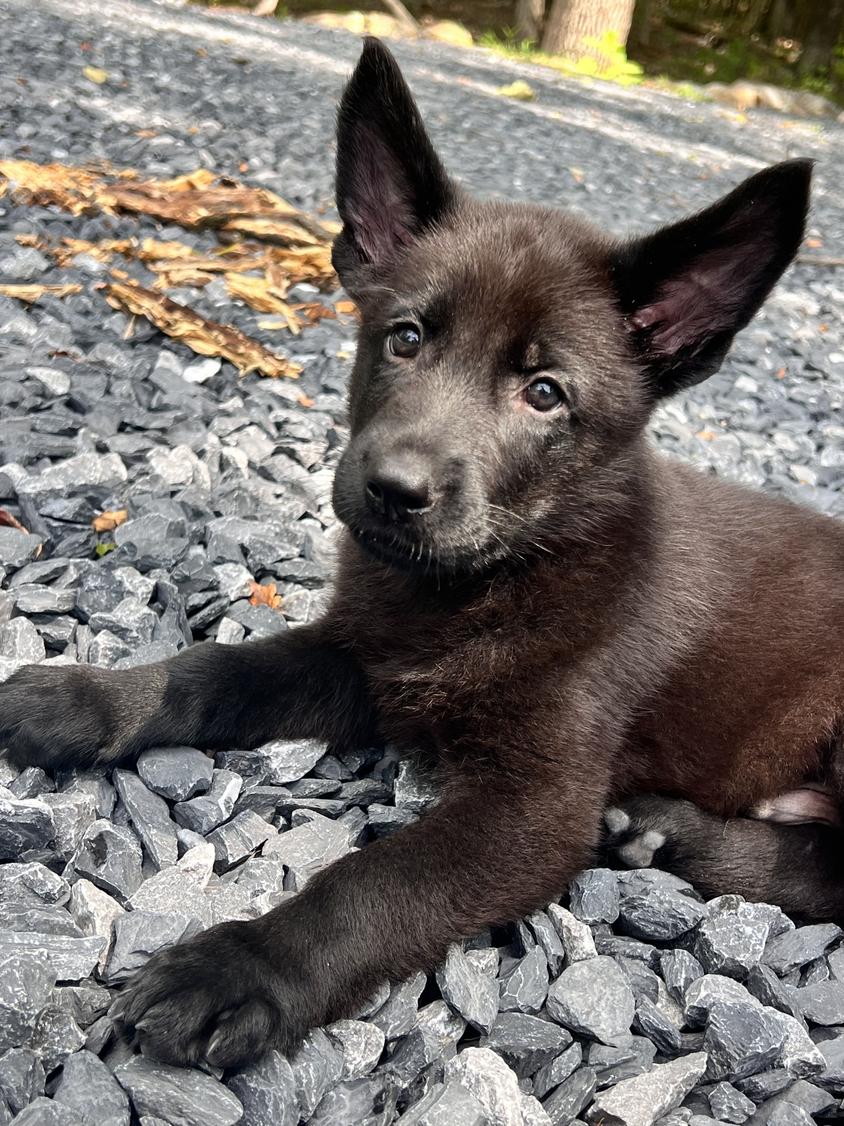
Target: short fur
{"points": [[556, 615]]}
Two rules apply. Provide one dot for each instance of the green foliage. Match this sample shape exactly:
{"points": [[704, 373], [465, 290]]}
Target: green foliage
{"points": [[608, 60], [104, 548]]}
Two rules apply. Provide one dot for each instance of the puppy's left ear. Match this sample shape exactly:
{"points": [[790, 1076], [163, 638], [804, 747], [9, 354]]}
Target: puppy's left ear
{"points": [[390, 182], [687, 289]]}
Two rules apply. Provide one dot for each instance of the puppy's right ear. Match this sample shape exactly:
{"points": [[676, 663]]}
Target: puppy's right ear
{"points": [[390, 182]]}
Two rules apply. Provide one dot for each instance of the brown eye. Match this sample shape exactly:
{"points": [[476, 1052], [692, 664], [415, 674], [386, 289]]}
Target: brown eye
{"points": [[404, 341], [544, 396]]}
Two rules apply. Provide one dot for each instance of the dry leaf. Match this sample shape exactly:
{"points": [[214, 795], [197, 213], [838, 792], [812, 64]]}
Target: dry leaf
{"points": [[9, 521], [95, 74], [265, 595], [706, 435], [30, 293], [314, 312], [208, 338], [305, 400], [347, 308], [813, 243], [262, 296], [109, 520]]}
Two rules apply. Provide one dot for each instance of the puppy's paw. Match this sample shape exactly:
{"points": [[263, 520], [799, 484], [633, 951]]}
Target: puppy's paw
{"points": [[643, 831], [56, 716], [214, 998]]}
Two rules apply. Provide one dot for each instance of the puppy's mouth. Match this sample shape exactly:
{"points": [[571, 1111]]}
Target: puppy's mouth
{"points": [[394, 549], [421, 558]]}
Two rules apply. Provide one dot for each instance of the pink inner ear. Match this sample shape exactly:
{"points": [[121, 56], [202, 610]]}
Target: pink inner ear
{"points": [[697, 304], [381, 214]]}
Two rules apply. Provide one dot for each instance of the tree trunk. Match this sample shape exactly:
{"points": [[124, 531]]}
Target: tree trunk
{"points": [[571, 22], [822, 27], [530, 15]]}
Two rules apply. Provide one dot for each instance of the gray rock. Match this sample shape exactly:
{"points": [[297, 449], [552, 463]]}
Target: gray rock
{"points": [[87, 1087], [20, 641], [367, 1101], [178, 1095], [400, 1012], [822, 1003], [679, 969], [72, 814], [415, 790], [150, 817], [594, 896], [317, 1066], [25, 825], [432, 1038], [70, 958], [832, 1076], [110, 857], [593, 998], [729, 1104], [140, 934], [742, 1039], [446, 1104], [660, 914], [21, 1078], [473, 994], [94, 912], [56, 1036], [46, 1112], [488, 1078], [767, 988], [792, 949], [657, 1026], [731, 944], [549, 939], [361, 1044], [786, 1114], [26, 985], [707, 991], [565, 1104], [763, 1086], [239, 838], [309, 847], [575, 936], [287, 760], [178, 891], [86, 1002], [809, 1098], [33, 878], [557, 1070], [176, 773], [267, 1092], [646, 1098], [202, 814], [528, 1043], [525, 987], [18, 548]]}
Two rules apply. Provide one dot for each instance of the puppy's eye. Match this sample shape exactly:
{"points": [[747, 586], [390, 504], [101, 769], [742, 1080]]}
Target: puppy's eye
{"points": [[544, 395], [404, 341]]}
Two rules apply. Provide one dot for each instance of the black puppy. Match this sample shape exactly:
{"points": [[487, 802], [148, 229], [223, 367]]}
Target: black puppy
{"points": [[527, 593]]}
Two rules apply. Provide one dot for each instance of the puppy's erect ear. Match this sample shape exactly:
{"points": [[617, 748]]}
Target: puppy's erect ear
{"points": [[687, 289], [390, 182]]}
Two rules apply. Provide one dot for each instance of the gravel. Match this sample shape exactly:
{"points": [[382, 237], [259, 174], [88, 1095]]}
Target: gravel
{"points": [[632, 1001]]}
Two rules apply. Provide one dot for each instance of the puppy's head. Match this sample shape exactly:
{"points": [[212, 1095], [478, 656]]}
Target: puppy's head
{"points": [[509, 355]]}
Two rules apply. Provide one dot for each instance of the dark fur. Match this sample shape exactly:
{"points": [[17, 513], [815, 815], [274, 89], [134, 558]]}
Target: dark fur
{"points": [[571, 620]]}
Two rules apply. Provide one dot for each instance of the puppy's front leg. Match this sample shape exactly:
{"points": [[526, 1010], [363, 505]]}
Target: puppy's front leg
{"points": [[491, 850], [300, 684]]}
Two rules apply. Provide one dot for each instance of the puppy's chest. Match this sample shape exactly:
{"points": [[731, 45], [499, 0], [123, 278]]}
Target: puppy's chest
{"points": [[444, 684]]}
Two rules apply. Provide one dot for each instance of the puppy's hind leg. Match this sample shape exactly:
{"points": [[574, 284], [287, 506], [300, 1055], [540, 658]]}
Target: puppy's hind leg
{"points": [[800, 867]]}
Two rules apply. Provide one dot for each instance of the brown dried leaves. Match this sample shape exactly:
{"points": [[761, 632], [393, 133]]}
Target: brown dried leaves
{"points": [[208, 338], [266, 246]]}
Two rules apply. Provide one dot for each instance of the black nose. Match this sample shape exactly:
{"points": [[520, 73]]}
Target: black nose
{"points": [[400, 488]]}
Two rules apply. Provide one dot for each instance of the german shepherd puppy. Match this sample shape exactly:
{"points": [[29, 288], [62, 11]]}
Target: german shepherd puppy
{"points": [[560, 618]]}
